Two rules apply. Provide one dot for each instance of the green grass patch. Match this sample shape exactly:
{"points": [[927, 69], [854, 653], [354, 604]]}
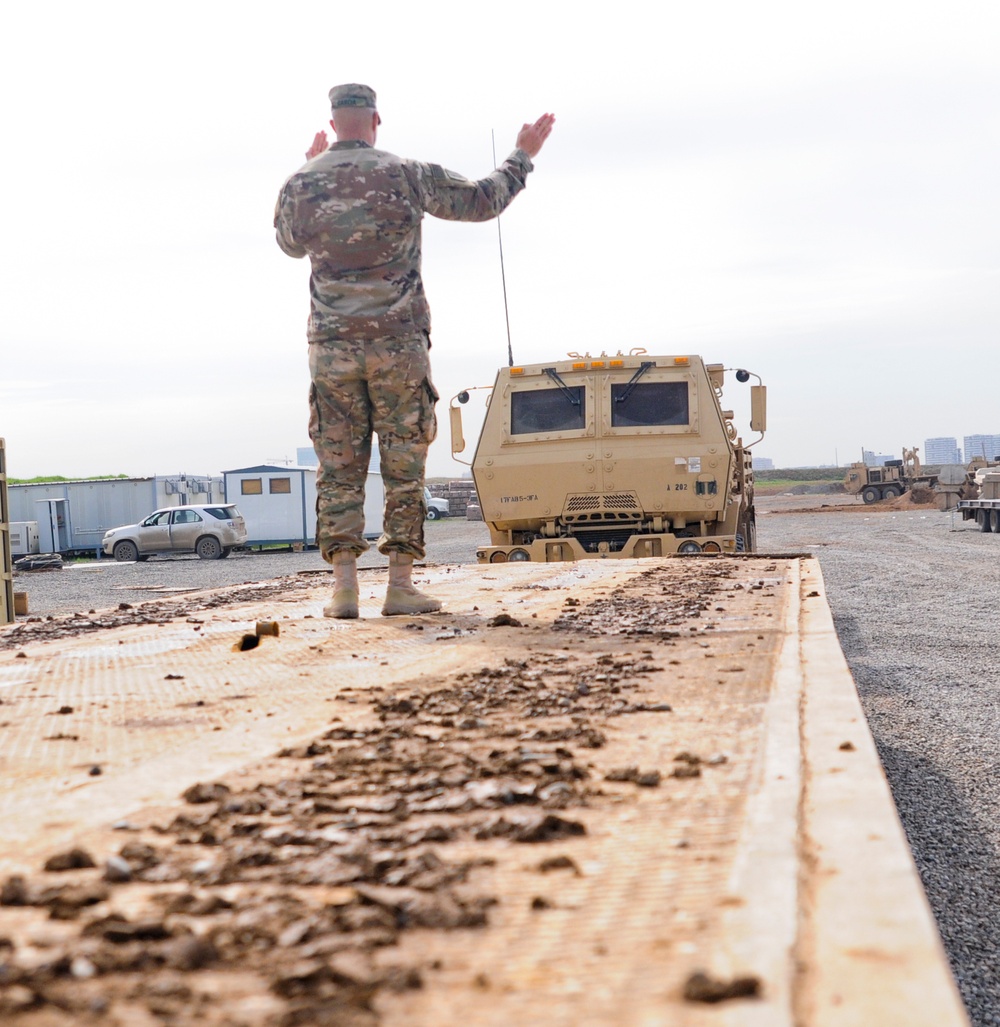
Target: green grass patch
{"points": [[798, 475], [787, 483], [50, 479]]}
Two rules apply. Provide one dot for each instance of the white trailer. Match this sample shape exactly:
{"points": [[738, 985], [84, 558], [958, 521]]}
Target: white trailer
{"points": [[278, 503], [985, 510]]}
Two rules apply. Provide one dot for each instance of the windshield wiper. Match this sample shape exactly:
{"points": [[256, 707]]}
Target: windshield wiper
{"points": [[564, 388], [634, 381]]}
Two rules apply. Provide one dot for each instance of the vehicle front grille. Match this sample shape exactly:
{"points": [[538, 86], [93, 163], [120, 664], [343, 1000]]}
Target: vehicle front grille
{"points": [[598, 508], [575, 503]]}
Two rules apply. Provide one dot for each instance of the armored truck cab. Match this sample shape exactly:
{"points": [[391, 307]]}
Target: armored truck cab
{"points": [[623, 456], [875, 483]]}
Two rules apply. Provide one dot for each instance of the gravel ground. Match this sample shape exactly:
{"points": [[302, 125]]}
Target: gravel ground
{"points": [[913, 595]]}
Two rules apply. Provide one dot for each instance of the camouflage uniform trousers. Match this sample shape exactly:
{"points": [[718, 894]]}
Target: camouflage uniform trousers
{"points": [[382, 386]]}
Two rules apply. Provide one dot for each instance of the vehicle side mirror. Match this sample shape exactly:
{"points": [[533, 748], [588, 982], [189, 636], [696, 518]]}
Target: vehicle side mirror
{"points": [[457, 436], [758, 408]]}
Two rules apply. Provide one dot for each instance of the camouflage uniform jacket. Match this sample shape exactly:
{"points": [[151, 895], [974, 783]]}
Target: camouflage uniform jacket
{"points": [[356, 212]]}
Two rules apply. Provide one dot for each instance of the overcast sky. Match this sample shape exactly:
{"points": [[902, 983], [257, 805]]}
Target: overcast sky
{"points": [[808, 190]]}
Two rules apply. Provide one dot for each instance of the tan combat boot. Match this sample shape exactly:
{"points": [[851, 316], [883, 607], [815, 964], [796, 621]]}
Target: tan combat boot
{"points": [[344, 605], [401, 598]]}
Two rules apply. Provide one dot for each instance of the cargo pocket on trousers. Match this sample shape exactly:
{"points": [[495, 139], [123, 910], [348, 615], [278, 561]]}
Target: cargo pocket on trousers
{"points": [[428, 418]]}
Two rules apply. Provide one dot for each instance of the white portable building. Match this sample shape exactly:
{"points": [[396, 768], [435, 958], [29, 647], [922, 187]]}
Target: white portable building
{"points": [[72, 516], [278, 503]]}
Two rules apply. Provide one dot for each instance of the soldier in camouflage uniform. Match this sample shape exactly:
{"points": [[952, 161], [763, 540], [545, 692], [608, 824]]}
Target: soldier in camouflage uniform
{"points": [[355, 211]]}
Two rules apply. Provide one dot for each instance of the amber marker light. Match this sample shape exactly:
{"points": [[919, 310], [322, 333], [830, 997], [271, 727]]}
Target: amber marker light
{"points": [[616, 363], [597, 363], [680, 360], [517, 370], [582, 366]]}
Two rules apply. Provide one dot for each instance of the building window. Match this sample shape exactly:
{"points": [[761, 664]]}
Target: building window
{"points": [[251, 487], [282, 486]]}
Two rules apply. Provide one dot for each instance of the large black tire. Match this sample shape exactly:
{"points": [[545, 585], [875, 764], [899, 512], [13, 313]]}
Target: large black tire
{"points": [[891, 492], [208, 548], [746, 534], [871, 494], [125, 551], [432, 514], [995, 521], [225, 552], [983, 519]]}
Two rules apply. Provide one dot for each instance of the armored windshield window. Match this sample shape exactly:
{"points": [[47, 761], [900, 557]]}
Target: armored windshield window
{"points": [[643, 404], [545, 410]]}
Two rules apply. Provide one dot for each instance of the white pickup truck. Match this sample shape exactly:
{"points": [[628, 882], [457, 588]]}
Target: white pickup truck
{"points": [[436, 508]]}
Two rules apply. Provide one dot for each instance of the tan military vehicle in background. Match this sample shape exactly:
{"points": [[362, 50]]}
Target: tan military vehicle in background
{"points": [[622, 456], [875, 483], [890, 480], [950, 483]]}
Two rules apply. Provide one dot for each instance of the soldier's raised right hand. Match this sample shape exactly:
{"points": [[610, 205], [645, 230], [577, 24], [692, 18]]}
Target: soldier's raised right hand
{"points": [[531, 137]]}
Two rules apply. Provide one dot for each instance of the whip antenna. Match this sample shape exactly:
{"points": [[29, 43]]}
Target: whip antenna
{"points": [[503, 277]]}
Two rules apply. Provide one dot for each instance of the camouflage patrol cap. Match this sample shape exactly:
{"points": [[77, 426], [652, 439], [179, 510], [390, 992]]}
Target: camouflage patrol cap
{"points": [[352, 95]]}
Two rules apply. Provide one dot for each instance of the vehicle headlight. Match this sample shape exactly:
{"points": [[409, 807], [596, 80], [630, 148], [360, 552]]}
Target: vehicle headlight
{"points": [[689, 547], [518, 555]]}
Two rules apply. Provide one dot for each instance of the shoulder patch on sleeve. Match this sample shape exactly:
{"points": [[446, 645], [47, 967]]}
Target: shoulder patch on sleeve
{"points": [[443, 174]]}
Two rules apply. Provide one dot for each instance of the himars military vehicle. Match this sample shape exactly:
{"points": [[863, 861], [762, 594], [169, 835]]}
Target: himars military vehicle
{"points": [[623, 456]]}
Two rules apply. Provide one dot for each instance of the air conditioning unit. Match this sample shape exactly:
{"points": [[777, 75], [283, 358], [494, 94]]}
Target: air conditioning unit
{"points": [[23, 538]]}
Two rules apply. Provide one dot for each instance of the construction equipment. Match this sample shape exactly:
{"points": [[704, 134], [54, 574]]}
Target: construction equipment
{"points": [[622, 456], [890, 480], [957, 483]]}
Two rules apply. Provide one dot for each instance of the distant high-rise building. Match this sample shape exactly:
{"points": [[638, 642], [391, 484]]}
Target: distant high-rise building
{"points": [[763, 463], [942, 451], [982, 446], [305, 456]]}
